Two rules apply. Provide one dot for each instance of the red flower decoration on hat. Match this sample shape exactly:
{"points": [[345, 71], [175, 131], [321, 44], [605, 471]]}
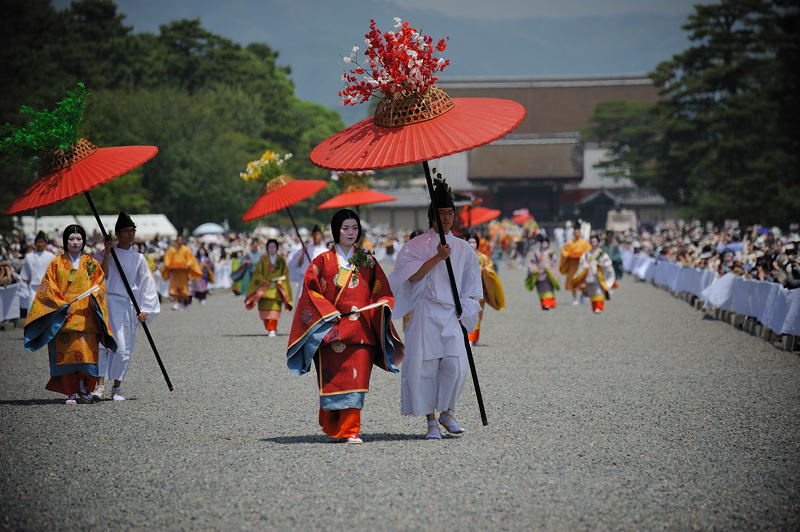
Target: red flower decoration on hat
{"points": [[400, 61]]}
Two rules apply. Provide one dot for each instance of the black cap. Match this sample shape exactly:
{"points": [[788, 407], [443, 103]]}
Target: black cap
{"points": [[40, 236], [316, 229], [123, 222]]}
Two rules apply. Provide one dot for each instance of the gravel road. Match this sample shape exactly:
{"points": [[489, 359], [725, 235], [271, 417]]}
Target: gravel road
{"points": [[646, 417]]}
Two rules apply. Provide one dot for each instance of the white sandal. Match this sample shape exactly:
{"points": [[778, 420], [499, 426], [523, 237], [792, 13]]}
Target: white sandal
{"points": [[446, 418], [434, 433]]}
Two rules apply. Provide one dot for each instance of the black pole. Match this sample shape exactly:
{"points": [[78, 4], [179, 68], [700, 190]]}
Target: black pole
{"points": [[296, 230], [130, 292], [456, 299]]}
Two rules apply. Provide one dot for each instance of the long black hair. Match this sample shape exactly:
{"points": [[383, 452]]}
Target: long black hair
{"points": [[72, 229], [339, 218]]}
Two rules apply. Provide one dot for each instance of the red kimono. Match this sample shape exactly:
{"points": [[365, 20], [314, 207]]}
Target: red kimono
{"points": [[343, 351]]}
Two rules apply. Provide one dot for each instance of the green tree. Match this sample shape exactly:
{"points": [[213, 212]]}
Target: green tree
{"points": [[629, 130], [727, 149]]}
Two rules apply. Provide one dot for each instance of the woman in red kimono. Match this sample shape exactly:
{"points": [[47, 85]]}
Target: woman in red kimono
{"points": [[333, 328]]}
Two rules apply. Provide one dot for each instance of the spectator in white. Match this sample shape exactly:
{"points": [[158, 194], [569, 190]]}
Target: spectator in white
{"points": [[33, 269], [123, 317]]}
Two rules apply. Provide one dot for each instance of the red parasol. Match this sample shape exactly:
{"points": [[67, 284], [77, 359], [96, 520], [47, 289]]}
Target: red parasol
{"points": [[477, 216], [78, 171], [356, 197], [521, 216], [282, 192], [470, 123]]}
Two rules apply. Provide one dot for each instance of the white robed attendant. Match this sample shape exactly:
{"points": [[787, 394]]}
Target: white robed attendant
{"points": [[122, 314], [34, 266], [435, 364], [298, 263]]}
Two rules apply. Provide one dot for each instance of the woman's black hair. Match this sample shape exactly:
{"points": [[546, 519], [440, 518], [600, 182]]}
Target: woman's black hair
{"points": [[272, 240], [339, 218], [72, 229], [476, 237]]}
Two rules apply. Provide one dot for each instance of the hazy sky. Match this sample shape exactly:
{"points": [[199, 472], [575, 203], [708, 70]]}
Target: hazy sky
{"points": [[506, 9]]}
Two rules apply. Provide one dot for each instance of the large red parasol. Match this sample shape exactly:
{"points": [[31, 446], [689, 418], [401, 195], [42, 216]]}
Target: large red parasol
{"points": [[521, 216], [470, 123], [79, 171], [356, 197], [281, 193], [477, 216]]}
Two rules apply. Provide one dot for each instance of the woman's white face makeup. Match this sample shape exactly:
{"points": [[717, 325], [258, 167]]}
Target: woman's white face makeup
{"points": [[348, 233], [473, 243], [272, 249], [74, 243]]}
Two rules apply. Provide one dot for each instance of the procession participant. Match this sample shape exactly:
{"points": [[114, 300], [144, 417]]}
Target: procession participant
{"points": [[596, 274], [34, 267], [492, 288], [250, 258], [123, 317], [542, 276], [69, 314], [298, 262], [270, 288], [179, 266], [571, 255], [612, 249], [436, 363], [343, 342], [201, 285]]}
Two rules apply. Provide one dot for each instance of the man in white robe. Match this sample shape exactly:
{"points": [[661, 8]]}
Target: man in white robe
{"points": [[33, 269], [122, 315], [298, 262], [435, 364]]}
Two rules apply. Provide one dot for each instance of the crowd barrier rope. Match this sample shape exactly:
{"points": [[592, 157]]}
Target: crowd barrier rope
{"points": [[737, 299]]}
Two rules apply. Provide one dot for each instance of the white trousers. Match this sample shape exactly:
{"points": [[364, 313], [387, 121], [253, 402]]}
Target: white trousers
{"points": [[437, 388], [123, 320]]}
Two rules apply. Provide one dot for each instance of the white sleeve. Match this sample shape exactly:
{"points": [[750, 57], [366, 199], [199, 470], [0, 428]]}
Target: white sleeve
{"points": [[148, 295], [407, 294]]}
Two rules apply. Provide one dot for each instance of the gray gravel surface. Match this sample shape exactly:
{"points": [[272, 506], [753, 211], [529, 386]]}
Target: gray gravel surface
{"points": [[646, 417]]}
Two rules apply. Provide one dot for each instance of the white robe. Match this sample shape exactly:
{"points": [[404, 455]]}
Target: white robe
{"points": [[435, 363], [121, 314], [33, 269], [297, 272]]}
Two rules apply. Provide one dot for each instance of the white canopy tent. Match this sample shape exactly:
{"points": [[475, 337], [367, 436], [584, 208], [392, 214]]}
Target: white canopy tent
{"points": [[147, 225]]}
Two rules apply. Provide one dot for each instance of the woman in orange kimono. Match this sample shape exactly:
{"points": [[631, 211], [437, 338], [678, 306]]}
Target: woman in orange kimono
{"points": [[333, 328], [70, 316], [571, 255], [493, 292]]}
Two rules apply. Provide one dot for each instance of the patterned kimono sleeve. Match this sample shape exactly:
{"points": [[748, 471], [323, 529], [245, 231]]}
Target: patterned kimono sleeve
{"points": [[314, 317], [391, 346]]}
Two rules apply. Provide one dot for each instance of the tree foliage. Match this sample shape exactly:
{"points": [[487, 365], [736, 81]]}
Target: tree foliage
{"points": [[723, 138], [208, 103]]}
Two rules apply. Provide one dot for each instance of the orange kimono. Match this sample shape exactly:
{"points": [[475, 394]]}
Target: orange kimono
{"points": [[70, 316], [179, 265], [493, 292], [570, 260], [343, 351]]}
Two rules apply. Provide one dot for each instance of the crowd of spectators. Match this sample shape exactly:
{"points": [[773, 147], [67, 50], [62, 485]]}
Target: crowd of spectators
{"points": [[755, 252]]}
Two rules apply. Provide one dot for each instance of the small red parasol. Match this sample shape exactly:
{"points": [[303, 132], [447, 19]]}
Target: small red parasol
{"points": [[477, 216], [356, 197], [521, 216], [281, 193], [79, 170]]}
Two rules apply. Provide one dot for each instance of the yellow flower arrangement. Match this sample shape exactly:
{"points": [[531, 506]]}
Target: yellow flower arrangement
{"points": [[269, 166]]}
